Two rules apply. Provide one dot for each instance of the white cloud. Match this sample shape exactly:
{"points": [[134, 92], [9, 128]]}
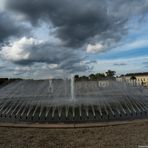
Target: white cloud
{"points": [[53, 66], [19, 50], [25, 68], [96, 48], [49, 66], [30, 51]]}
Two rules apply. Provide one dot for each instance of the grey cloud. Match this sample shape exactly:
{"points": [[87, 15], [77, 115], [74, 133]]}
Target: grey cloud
{"points": [[74, 64], [78, 22], [120, 64], [65, 58], [91, 62], [2, 67], [10, 28], [145, 63], [125, 8]]}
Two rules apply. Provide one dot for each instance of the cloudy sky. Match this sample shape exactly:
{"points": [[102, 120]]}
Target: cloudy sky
{"points": [[56, 38]]}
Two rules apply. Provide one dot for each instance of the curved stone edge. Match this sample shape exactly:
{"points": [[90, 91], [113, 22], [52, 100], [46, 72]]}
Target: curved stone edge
{"points": [[72, 125]]}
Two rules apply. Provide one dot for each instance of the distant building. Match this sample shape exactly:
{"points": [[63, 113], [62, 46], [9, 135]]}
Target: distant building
{"points": [[136, 78]]}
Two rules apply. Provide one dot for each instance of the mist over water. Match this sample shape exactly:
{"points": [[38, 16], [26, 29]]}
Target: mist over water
{"points": [[62, 92]]}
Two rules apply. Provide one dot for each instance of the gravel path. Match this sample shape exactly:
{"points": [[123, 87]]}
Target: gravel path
{"points": [[111, 136]]}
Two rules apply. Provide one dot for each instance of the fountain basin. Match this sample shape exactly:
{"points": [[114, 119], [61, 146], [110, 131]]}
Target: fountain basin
{"points": [[60, 101]]}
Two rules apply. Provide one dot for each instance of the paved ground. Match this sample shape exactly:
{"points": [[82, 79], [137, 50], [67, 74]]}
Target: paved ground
{"points": [[112, 136]]}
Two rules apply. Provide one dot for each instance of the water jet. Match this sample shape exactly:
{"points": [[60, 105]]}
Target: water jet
{"points": [[67, 101]]}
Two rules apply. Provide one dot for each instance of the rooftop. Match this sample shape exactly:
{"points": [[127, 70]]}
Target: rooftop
{"points": [[136, 74]]}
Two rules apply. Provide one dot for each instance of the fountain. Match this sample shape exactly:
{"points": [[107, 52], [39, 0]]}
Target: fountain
{"points": [[55, 101], [50, 87], [72, 86]]}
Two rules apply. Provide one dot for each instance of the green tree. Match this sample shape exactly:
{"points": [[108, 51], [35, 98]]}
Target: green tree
{"points": [[132, 78], [110, 73], [84, 78], [92, 77], [100, 76], [76, 78]]}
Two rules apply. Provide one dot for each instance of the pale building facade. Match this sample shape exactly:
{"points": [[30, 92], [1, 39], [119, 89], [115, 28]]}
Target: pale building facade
{"points": [[141, 78]]}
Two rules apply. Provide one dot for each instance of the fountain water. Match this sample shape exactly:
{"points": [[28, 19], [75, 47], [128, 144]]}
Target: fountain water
{"points": [[72, 89], [67, 100], [50, 86]]}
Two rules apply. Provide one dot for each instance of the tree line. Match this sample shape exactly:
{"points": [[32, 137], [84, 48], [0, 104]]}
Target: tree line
{"points": [[98, 76], [5, 81]]}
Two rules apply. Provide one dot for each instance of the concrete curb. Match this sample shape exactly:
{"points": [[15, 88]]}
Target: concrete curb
{"points": [[68, 126]]}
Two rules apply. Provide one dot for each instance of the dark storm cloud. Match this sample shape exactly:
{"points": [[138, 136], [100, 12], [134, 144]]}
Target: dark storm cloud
{"points": [[76, 23], [9, 27], [79, 21], [65, 59]]}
